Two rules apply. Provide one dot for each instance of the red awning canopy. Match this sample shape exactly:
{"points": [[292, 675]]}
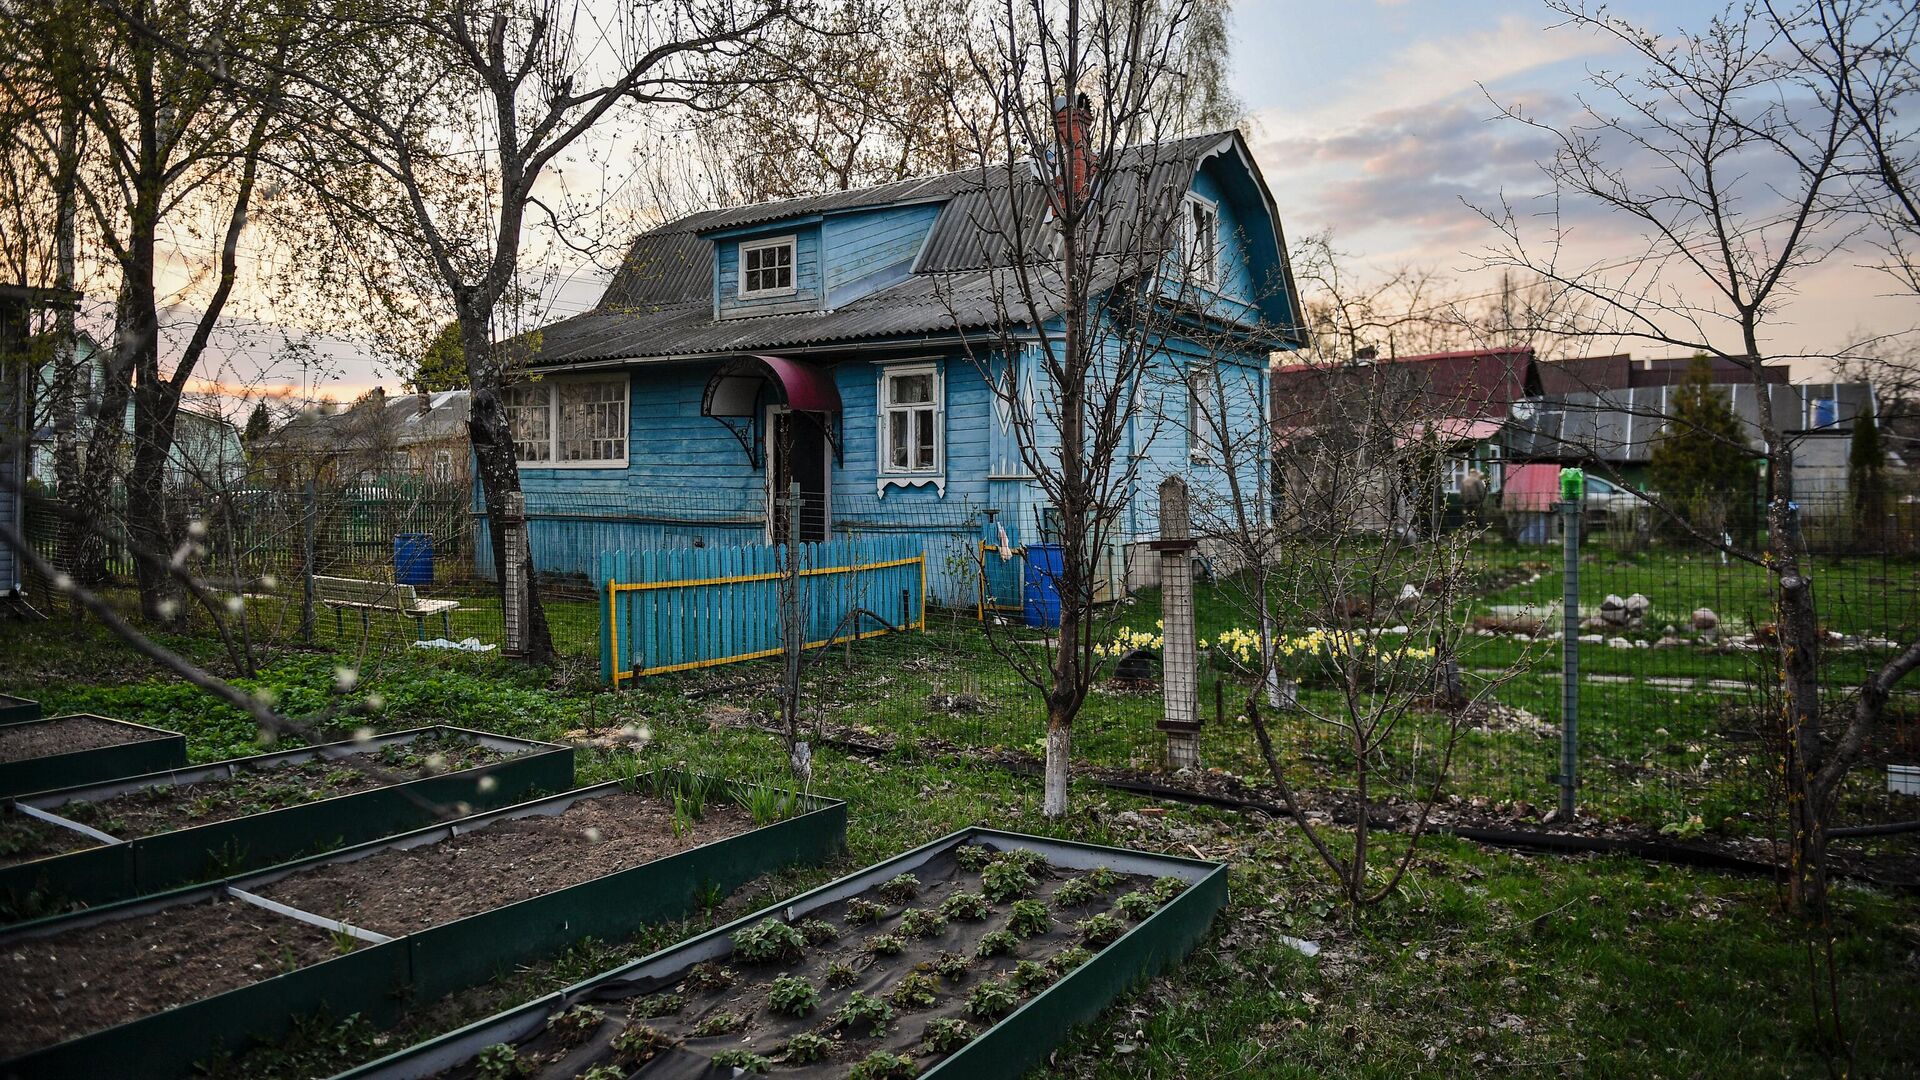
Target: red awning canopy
{"points": [[734, 397]]}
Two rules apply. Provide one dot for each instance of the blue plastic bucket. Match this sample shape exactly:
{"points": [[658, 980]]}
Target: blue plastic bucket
{"points": [[1040, 599], [412, 559]]}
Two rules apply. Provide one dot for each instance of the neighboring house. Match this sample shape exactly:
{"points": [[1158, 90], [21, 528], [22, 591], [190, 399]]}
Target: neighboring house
{"points": [[413, 437], [17, 306], [206, 453], [1609, 411], [1461, 400], [840, 343]]}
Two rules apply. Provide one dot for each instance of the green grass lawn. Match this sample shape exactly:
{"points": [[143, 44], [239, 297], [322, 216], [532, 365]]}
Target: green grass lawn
{"points": [[1485, 962]]}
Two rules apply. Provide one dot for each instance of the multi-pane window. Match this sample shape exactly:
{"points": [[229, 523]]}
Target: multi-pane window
{"points": [[570, 421], [1200, 242], [442, 466], [766, 267], [1205, 413], [910, 420]]}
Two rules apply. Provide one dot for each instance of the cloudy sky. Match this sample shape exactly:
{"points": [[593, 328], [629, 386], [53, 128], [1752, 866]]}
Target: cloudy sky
{"points": [[1374, 118]]}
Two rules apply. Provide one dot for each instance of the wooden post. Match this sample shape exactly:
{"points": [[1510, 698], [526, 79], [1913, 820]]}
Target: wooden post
{"points": [[1179, 663]]}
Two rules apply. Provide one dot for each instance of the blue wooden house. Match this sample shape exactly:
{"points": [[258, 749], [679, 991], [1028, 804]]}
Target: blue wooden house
{"points": [[844, 343]]}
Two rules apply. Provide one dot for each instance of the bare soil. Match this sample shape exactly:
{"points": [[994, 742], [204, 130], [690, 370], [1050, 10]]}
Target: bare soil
{"points": [[257, 790], [398, 892], [65, 735], [24, 839], [60, 987], [552, 1055]]}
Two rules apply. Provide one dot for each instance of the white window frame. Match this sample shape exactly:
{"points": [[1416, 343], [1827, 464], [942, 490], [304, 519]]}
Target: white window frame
{"points": [[1202, 272], [1202, 448], [791, 243], [885, 474], [442, 466], [550, 387]]}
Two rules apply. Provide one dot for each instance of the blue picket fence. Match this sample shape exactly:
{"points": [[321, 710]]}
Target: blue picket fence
{"points": [[677, 609]]}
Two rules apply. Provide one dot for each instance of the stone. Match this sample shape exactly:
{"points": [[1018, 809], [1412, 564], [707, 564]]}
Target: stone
{"points": [[1638, 605], [1619, 643], [1641, 643], [1705, 619], [1668, 642], [1409, 592], [1591, 639], [1613, 611]]}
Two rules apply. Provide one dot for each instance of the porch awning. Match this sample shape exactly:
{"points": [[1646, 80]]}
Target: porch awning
{"points": [[733, 397], [734, 389]]}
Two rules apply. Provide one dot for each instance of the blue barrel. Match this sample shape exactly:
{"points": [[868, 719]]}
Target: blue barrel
{"points": [[1041, 597], [412, 559]]}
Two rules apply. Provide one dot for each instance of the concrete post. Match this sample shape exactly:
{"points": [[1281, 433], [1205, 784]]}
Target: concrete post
{"points": [[1179, 666], [513, 572]]}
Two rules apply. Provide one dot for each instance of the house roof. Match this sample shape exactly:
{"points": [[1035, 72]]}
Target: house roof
{"points": [[659, 304], [1469, 385], [1597, 374], [376, 422]]}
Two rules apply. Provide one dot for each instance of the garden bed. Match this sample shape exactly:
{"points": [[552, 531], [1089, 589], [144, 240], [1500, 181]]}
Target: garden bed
{"points": [[39, 755], [449, 907], [106, 842], [971, 956], [14, 710]]}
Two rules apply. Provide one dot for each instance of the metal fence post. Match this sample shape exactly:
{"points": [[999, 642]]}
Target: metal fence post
{"points": [[513, 573], [307, 512], [1572, 498], [1179, 665]]}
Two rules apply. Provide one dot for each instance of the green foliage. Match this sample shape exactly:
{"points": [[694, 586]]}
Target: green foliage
{"points": [[1101, 929], [707, 977], [922, 922], [839, 975], [992, 999], [1867, 478], [807, 1047], [654, 1006], [972, 857], [997, 943], [861, 1011], [719, 1023], [1136, 905], [1699, 463], [818, 931], [901, 889], [604, 1072], [1076, 892], [572, 1026], [1102, 878], [952, 965], [499, 1062], [881, 1065], [744, 1060], [1068, 959], [861, 912], [769, 941], [637, 1043], [915, 990], [1166, 887], [945, 1035], [443, 366], [1030, 918], [1029, 977], [1005, 879], [259, 425], [768, 804], [885, 945], [792, 995], [969, 906]]}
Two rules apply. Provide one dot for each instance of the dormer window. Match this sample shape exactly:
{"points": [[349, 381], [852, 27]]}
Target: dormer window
{"points": [[1200, 242], [766, 267]]}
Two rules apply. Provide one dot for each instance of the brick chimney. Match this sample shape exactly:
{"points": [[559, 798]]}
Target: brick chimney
{"points": [[422, 402], [1072, 124]]}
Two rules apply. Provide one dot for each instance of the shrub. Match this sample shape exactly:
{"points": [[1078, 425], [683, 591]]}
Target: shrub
{"points": [[656, 1005], [998, 943], [972, 857], [1030, 918], [839, 975], [792, 995], [573, 1026], [744, 1060], [1078, 892], [1003, 881], [499, 1062], [867, 1012], [1029, 977], [707, 977], [807, 1047], [945, 1035], [1102, 929], [915, 991], [881, 1065], [769, 942], [992, 999], [901, 889], [971, 906], [861, 912], [885, 945], [818, 931], [922, 922], [719, 1023], [1136, 905]]}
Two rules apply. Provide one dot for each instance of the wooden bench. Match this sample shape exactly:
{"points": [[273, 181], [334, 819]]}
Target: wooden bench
{"points": [[340, 593]]}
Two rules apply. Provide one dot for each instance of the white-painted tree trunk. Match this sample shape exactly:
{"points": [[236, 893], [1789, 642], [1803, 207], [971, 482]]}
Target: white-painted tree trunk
{"points": [[1055, 804]]}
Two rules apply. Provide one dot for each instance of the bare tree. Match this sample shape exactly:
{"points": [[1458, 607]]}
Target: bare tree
{"points": [[1736, 161]]}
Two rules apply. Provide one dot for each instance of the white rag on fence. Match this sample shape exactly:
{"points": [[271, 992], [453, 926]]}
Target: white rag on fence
{"points": [[471, 644]]}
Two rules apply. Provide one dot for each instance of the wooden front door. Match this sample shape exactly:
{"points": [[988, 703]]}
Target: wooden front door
{"points": [[797, 454]]}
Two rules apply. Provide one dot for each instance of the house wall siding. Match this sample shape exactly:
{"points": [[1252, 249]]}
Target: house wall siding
{"points": [[806, 276], [867, 250]]}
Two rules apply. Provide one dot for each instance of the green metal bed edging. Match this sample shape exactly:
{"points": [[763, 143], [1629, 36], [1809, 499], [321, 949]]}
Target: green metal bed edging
{"points": [[379, 981], [17, 710], [1007, 1049], [159, 749], [149, 864]]}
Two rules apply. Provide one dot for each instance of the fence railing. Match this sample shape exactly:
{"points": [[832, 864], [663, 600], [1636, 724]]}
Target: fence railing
{"points": [[680, 609]]}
